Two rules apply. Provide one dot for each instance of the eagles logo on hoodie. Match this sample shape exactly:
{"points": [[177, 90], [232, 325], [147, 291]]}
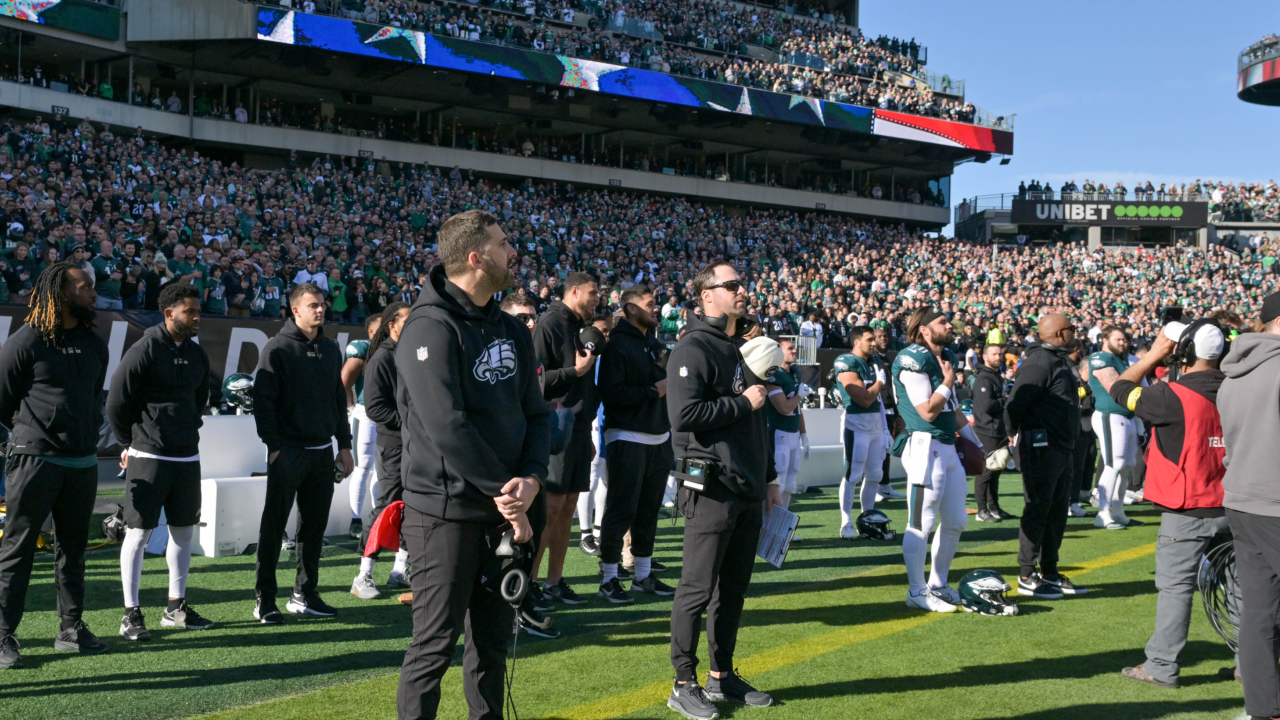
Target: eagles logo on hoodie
{"points": [[497, 362]]}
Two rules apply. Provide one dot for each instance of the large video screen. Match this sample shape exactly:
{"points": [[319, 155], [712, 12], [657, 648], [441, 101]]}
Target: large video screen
{"points": [[334, 34], [80, 16]]}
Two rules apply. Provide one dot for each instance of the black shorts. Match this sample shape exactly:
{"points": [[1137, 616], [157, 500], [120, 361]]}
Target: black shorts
{"points": [[151, 484], [570, 471]]}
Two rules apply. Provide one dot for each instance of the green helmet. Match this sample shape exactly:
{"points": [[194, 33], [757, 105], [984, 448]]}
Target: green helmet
{"points": [[238, 391], [982, 591]]}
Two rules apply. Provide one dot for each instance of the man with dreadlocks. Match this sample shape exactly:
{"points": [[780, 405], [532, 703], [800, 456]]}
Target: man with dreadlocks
{"points": [[52, 376]]}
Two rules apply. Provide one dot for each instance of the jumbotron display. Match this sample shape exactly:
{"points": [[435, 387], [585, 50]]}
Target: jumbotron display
{"points": [[391, 43]]}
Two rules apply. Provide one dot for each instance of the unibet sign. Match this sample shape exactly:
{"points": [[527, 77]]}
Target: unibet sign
{"points": [[1102, 213]]}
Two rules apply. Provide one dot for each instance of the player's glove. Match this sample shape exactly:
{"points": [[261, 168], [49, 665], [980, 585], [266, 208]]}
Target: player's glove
{"points": [[804, 444], [804, 391]]}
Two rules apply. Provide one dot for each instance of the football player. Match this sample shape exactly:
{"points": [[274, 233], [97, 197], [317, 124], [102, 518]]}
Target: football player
{"points": [[364, 432], [1115, 427], [866, 430]]}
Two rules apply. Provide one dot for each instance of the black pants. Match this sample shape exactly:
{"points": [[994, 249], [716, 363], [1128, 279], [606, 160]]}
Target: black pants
{"points": [[986, 487], [1046, 476], [637, 479], [896, 426], [1086, 458], [1257, 539], [34, 488], [1139, 478], [720, 537], [390, 486], [305, 475], [446, 558]]}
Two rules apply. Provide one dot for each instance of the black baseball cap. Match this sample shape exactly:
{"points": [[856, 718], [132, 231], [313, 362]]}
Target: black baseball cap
{"points": [[1271, 307]]}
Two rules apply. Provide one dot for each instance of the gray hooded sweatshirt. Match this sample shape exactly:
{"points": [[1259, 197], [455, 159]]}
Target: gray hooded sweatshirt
{"points": [[1249, 403]]}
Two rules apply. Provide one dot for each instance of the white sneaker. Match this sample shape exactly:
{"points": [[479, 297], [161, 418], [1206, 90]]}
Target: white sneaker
{"points": [[930, 601], [1132, 496], [1093, 499], [886, 492], [847, 532], [1118, 514], [364, 588], [1076, 511], [1103, 520], [948, 593]]}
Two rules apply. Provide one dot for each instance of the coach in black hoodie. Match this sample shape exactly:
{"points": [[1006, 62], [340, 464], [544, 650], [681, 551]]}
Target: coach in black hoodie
{"points": [[988, 425], [300, 406], [715, 407], [477, 436], [637, 440], [52, 374]]}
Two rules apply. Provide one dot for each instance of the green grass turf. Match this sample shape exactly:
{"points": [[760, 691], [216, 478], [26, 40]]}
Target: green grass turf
{"points": [[828, 635]]}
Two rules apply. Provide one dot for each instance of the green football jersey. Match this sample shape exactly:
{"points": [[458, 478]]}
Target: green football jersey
{"points": [[1104, 403], [850, 362], [777, 421], [358, 349], [917, 358]]}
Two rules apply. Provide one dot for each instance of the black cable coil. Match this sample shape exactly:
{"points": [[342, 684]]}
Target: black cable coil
{"points": [[1220, 592]]}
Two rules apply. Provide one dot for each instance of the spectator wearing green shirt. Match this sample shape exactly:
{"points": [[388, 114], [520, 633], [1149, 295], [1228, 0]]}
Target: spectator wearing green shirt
{"points": [[108, 273], [339, 308], [106, 91], [214, 293], [272, 291]]}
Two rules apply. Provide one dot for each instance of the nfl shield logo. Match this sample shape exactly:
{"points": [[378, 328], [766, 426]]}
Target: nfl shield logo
{"points": [[422, 353]]}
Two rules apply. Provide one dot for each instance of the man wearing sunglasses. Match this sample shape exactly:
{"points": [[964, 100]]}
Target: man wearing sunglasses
{"points": [[725, 468], [1043, 411]]}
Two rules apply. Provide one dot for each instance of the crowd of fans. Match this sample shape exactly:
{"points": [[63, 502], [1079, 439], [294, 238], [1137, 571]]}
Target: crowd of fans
{"points": [[703, 39], [1241, 202], [140, 215], [1261, 48]]}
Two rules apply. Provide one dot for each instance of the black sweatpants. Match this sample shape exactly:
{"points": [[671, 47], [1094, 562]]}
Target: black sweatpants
{"points": [[306, 475], [1085, 460], [637, 480], [390, 486], [986, 486], [896, 426], [720, 537], [447, 596], [34, 488], [1257, 539], [1046, 477]]}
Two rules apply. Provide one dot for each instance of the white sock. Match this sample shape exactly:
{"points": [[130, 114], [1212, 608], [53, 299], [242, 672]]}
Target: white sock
{"points": [[402, 562], [643, 565], [135, 541], [1107, 485], [597, 506], [868, 494], [358, 489], [366, 565], [596, 531], [913, 552], [945, 543], [178, 556], [610, 572], [846, 503], [786, 499], [584, 513]]}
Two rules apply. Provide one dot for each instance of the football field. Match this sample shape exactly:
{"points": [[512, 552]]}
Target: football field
{"points": [[828, 635]]}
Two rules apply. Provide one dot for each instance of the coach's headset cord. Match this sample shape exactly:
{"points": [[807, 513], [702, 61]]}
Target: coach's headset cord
{"points": [[515, 583]]}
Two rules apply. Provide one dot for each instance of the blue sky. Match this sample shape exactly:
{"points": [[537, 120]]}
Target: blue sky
{"points": [[1121, 90]]}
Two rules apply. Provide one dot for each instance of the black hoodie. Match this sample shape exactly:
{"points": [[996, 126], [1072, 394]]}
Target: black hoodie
{"points": [[1045, 396], [471, 409], [158, 395], [628, 371], [710, 418], [555, 341], [52, 395], [988, 403], [298, 397], [380, 393]]}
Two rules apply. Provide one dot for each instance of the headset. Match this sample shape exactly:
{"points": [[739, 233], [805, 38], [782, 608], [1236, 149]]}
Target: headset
{"points": [[1185, 352]]}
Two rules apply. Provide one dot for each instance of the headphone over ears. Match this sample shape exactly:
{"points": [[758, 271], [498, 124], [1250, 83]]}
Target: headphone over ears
{"points": [[1185, 353]]}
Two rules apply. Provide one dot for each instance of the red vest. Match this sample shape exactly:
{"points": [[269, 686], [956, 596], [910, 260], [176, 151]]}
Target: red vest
{"points": [[1196, 480]]}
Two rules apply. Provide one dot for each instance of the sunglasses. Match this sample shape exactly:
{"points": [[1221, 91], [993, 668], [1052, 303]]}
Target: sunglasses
{"points": [[732, 286], [526, 318]]}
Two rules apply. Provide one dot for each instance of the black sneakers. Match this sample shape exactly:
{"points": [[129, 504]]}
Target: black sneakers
{"points": [[653, 586], [589, 545], [1065, 586], [691, 701], [561, 592], [185, 617], [734, 689], [987, 516], [300, 604], [78, 639], [9, 655], [133, 626], [533, 623], [613, 592], [1036, 587], [356, 529], [655, 566], [266, 612], [537, 599]]}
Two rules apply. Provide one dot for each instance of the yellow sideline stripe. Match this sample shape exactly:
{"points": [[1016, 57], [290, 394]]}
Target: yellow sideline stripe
{"points": [[802, 650]]}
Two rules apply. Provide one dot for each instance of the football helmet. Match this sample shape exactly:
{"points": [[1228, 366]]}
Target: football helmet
{"points": [[982, 591], [874, 525], [238, 391]]}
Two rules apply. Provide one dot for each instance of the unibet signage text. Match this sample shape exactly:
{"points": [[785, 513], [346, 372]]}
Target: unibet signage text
{"points": [[1117, 214]]}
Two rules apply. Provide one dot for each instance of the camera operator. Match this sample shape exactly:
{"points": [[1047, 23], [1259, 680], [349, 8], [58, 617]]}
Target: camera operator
{"points": [[725, 469], [637, 435], [1184, 478], [1248, 401], [988, 425], [1043, 410], [476, 436]]}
